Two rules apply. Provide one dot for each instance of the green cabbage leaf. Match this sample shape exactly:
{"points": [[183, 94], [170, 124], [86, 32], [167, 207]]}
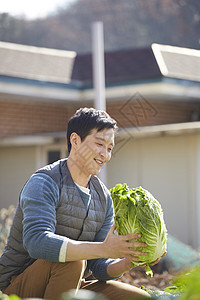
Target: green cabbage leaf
{"points": [[137, 211]]}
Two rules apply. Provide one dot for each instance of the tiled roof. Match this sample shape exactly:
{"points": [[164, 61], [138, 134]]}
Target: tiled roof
{"points": [[177, 62], [30, 62], [120, 66], [142, 64]]}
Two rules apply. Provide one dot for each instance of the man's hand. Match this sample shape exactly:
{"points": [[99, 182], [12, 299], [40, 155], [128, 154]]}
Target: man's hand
{"points": [[118, 267], [123, 246], [158, 259], [113, 247], [155, 261]]}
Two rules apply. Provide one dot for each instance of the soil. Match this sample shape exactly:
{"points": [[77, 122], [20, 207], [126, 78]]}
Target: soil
{"points": [[138, 278]]}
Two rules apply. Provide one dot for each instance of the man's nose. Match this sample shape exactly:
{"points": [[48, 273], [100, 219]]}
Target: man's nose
{"points": [[104, 153]]}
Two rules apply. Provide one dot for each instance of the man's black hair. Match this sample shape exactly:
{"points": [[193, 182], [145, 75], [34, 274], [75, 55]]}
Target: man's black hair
{"points": [[85, 120]]}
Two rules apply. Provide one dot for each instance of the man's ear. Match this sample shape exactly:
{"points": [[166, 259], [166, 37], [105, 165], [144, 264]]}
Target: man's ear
{"points": [[75, 140]]}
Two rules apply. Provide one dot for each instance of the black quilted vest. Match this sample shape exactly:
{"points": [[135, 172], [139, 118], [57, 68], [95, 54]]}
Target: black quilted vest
{"points": [[73, 220]]}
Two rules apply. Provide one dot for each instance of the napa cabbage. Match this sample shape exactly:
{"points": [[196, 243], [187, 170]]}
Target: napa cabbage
{"points": [[137, 211]]}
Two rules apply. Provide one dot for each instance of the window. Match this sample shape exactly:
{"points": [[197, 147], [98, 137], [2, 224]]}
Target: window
{"points": [[53, 156], [48, 154]]}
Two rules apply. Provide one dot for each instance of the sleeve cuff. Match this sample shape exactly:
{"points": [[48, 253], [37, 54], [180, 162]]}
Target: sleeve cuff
{"points": [[63, 249]]}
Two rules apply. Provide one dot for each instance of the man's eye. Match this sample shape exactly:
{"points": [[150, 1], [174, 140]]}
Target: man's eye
{"points": [[99, 144]]}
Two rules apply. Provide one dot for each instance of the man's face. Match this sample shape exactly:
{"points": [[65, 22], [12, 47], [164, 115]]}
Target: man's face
{"points": [[95, 151]]}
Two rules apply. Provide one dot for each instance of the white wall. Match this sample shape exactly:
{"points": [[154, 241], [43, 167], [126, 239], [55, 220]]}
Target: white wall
{"points": [[198, 190], [17, 164], [166, 166]]}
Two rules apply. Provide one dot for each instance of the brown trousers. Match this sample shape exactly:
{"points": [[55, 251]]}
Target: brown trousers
{"points": [[48, 280]]}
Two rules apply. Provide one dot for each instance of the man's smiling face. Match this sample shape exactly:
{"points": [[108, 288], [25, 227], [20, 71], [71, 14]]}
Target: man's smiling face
{"points": [[95, 151]]}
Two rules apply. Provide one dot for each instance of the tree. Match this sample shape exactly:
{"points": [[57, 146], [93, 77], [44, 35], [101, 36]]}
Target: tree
{"points": [[127, 24]]}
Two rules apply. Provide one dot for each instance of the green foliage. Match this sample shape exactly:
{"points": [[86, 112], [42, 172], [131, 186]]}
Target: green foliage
{"points": [[186, 286], [137, 211], [189, 284], [6, 297], [165, 295], [141, 24], [14, 297]]}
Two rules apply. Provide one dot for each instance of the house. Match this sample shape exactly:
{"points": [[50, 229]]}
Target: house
{"points": [[153, 93]]}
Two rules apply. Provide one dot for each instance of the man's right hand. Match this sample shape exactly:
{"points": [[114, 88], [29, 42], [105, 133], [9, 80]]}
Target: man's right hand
{"points": [[123, 246], [114, 246]]}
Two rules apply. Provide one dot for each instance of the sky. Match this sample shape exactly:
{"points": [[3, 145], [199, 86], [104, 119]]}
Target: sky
{"points": [[32, 9]]}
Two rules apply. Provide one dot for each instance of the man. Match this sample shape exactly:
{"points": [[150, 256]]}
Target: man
{"points": [[64, 221]]}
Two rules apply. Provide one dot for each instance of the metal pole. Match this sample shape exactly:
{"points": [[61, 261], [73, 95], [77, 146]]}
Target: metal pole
{"points": [[99, 75], [98, 65]]}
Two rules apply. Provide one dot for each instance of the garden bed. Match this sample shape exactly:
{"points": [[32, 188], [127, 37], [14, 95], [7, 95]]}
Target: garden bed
{"points": [[138, 278]]}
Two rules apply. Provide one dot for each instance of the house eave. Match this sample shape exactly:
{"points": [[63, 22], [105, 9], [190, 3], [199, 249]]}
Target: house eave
{"points": [[25, 91], [166, 89], [123, 134], [26, 141], [159, 130]]}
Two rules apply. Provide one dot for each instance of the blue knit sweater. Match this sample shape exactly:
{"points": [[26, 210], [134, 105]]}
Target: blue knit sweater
{"points": [[38, 200]]}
